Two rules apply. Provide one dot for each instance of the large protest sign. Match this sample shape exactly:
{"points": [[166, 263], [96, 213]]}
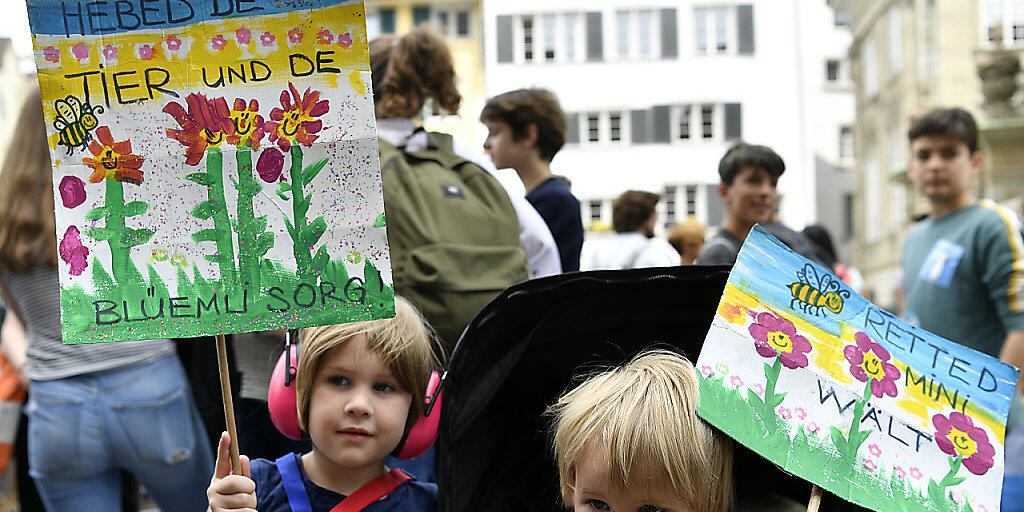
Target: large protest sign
{"points": [[215, 165], [831, 388]]}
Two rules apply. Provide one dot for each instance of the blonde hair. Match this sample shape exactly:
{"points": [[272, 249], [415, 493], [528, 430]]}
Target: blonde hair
{"points": [[28, 237], [691, 229], [401, 342], [643, 416], [407, 71]]}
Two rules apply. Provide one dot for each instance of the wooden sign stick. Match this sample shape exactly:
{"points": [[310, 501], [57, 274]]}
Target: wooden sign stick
{"points": [[229, 409], [812, 506]]}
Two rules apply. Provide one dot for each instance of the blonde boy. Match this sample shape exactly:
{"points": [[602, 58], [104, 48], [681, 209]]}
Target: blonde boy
{"points": [[629, 439]]}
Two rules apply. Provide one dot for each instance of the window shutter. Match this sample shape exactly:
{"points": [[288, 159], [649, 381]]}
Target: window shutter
{"points": [[669, 34], [716, 210], [505, 46], [745, 28], [640, 126], [662, 131], [733, 121], [595, 37], [387, 21], [572, 132], [420, 15]]}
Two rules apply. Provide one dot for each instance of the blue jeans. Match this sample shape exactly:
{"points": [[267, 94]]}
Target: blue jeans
{"points": [[142, 419]]}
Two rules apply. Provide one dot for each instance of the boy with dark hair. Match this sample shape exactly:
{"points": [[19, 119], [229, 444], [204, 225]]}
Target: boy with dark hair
{"points": [[963, 265], [634, 216], [526, 128]]}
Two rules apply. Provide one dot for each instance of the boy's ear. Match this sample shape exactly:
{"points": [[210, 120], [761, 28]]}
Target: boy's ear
{"points": [[530, 134], [976, 161], [723, 191]]}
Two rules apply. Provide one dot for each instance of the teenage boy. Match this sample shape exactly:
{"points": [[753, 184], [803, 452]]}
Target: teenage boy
{"points": [[525, 129], [749, 175]]}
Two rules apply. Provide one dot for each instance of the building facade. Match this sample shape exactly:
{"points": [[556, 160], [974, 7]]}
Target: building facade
{"points": [[656, 92], [12, 89]]}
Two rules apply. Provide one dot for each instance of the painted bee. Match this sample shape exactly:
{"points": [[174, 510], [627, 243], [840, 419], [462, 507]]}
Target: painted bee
{"points": [[812, 292], [75, 121]]}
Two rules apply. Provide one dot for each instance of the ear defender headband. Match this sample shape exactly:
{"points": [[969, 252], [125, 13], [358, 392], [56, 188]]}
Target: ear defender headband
{"points": [[282, 401]]}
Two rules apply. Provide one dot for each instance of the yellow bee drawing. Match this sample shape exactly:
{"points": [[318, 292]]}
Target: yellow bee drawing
{"points": [[814, 292], [75, 122]]}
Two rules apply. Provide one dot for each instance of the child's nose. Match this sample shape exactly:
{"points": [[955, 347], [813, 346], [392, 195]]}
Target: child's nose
{"points": [[359, 404]]}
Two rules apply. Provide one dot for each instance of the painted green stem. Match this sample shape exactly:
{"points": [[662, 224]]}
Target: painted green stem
{"points": [[301, 249], [248, 264], [856, 438], [114, 228], [221, 222]]}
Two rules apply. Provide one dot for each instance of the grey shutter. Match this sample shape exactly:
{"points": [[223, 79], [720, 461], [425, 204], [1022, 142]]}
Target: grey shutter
{"points": [[745, 28], [505, 46], [716, 210], [572, 132], [595, 37], [733, 121], [669, 34], [662, 131], [639, 125]]}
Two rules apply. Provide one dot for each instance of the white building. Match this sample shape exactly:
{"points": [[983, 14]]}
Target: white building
{"points": [[12, 89], [657, 90]]}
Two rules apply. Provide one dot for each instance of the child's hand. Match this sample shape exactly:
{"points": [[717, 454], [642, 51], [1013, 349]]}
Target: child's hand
{"points": [[227, 492]]}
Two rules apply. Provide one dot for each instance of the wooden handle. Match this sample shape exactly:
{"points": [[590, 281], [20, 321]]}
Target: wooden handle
{"points": [[229, 409], [812, 506]]}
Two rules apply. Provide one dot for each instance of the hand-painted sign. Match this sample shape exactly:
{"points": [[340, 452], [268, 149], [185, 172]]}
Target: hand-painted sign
{"points": [[833, 389], [215, 165]]}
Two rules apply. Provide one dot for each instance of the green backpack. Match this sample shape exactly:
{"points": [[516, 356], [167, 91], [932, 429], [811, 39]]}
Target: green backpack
{"points": [[452, 231]]}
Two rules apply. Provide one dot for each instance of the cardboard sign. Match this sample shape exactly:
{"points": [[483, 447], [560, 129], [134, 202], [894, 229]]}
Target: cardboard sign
{"points": [[215, 165], [831, 388]]}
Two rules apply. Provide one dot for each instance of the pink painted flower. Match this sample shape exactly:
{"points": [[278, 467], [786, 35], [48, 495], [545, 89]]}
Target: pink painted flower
{"points": [[875, 450], [243, 35], [869, 361], [785, 413], [957, 497], [173, 43], [345, 40], [957, 436], [218, 42], [800, 413], [777, 337], [80, 51], [267, 39], [812, 428], [51, 54], [706, 370], [758, 390], [73, 252], [869, 465], [72, 191], [270, 164], [325, 36], [736, 380], [899, 472], [295, 35], [145, 52], [110, 52], [916, 473], [981, 508]]}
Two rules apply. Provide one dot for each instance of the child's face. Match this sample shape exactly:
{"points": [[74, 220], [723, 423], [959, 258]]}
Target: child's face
{"points": [[752, 196], [506, 152], [592, 490], [356, 412], [941, 167]]}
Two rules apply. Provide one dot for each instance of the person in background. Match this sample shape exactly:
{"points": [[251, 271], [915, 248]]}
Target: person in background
{"points": [[94, 408], [634, 216], [525, 130], [687, 239], [820, 236]]}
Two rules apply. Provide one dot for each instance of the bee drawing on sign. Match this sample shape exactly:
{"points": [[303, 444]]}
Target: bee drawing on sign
{"points": [[75, 122], [813, 292]]}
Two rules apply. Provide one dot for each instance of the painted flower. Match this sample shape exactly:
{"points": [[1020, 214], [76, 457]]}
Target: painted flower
{"points": [[354, 257], [785, 413], [51, 54], [218, 42], [206, 124], [706, 370], [243, 35], [775, 336], [110, 52], [800, 413], [145, 52], [270, 164], [345, 40], [178, 260], [72, 191], [957, 497], [916, 474], [73, 252], [295, 35], [158, 255], [957, 435], [296, 121], [812, 428], [875, 450], [736, 380], [722, 369], [899, 472], [173, 43], [734, 313], [267, 39], [325, 36], [869, 465], [870, 362], [758, 390], [80, 51], [113, 160], [248, 123]]}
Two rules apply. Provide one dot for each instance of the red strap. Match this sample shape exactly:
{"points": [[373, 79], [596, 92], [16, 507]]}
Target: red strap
{"points": [[374, 490]]}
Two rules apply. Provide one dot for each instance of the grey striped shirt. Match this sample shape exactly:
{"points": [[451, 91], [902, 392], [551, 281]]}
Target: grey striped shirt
{"points": [[37, 297]]}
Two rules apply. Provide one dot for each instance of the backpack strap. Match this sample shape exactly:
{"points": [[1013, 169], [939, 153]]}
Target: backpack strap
{"points": [[291, 479], [373, 490]]}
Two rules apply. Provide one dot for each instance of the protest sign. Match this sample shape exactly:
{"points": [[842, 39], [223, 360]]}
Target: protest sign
{"points": [[833, 389], [215, 165]]}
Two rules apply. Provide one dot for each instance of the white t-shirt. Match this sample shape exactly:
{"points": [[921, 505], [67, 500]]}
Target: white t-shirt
{"points": [[534, 235], [627, 250]]}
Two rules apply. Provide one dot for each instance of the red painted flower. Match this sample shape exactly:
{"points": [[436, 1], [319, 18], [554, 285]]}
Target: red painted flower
{"points": [[173, 43], [243, 35], [775, 336], [345, 40], [325, 36], [206, 124], [73, 252], [248, 124], [869, 361], [295, 35], [957, 435], [145, 52], [267, 39], [113, 160], [51, 54], [218, 42], [296, 121], [80, 51]]}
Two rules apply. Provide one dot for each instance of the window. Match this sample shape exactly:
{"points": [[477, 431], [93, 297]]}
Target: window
{"points": [[593, 127], [443, 22], [926, 55], [462, 19], [387, 21], [684, 122], [842, 19], [691, 200], [895, 40], [869, 67], [453, 23], [624, 36], [898, 207], [670, 203], [721, 31], [724, 29], [595, 210], [615, 126], [1002, 21], [707, 113], [420, 15], [644, 33], [571, 21], [549, 37], [848, 214], [845, 142], [528, 38], [832, 70], [897, 148]]}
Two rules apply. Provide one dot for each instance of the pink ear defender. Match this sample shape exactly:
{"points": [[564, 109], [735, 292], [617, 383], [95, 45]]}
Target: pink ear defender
{"points": [[282, 403]]}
